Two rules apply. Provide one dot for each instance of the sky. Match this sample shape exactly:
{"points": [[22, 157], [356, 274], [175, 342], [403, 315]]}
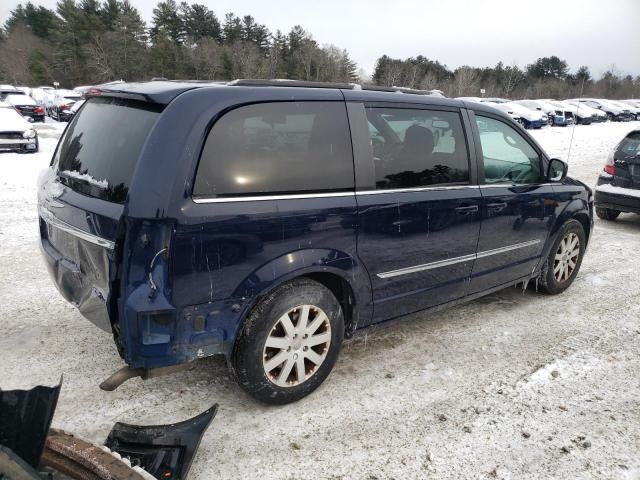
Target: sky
{"points": [[479, 33]]}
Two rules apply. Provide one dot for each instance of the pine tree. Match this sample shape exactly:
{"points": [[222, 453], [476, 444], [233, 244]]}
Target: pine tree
{"points": [[200, 22]]}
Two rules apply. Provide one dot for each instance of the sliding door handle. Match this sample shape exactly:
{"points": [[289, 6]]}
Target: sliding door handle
{"points": [[496, 207], [467, 210]]}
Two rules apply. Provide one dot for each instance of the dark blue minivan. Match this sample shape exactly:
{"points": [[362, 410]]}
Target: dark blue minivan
{"points": [[267, 220]]}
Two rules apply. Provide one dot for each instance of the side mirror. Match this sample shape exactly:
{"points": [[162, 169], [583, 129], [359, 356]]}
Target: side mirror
{"points": [[557, 170]]}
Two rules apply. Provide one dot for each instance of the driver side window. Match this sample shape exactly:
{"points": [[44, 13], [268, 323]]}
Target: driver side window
{"points": [[507, 156]]}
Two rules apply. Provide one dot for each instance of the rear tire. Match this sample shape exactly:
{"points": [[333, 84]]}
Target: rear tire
{"points": [[607, 214], [289, 343], [564, 260]]}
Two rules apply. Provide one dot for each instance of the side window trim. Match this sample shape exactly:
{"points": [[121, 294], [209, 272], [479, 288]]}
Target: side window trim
{"points": [[480, 158], [361, 146]]}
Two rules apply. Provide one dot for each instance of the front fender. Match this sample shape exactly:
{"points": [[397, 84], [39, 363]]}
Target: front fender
{"points": [[572, 202]]}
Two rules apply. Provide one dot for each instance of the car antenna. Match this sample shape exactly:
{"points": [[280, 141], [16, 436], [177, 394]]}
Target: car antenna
{"points": [[575, 122]]}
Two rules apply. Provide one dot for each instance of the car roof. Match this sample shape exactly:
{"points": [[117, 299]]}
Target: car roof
{"points": [[164, 91]]}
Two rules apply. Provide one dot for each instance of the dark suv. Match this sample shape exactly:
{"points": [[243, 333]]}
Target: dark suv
{"points": [[266, 221], [618, 188]]}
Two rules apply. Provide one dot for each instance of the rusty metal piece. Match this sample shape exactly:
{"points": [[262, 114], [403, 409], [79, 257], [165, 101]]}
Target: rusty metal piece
{"points": [[82, 460], [119, 377]]}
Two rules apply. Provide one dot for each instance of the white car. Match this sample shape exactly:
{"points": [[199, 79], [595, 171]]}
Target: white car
{"points": [[580, 113], [635, 110], [585, 111], [40, 96], [555, 115], [528, 118], [16, 134], [614, 113], [507, 110]]}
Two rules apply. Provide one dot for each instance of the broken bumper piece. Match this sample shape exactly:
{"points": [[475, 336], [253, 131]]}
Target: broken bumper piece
{"points": [[165, 451], [28, 445]]}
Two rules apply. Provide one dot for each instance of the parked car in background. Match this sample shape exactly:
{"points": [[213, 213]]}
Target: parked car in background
{"points": [[75, 107], [618, 188], [26, 105], [635, 111], [570, 112], [556, 117], [40, 96], [16, 134], [59, 108], [584, 114], [614, 113], [264, 221], [632, 102], [499, 106], [526, 117]]}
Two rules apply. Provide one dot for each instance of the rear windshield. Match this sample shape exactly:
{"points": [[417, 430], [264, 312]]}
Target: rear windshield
{"points": [[630, 146], [101, 146]]}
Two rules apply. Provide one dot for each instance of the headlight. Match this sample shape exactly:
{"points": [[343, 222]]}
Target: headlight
{"points": [[29, 134]]}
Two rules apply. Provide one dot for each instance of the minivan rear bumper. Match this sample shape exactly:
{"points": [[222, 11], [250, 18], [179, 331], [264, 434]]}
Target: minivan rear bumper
{"points": [[83, 282]]}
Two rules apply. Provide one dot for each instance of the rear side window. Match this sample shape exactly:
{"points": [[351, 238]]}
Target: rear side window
{"points": [[629, 147], [417, 148], [101, 146], [277, 148]]}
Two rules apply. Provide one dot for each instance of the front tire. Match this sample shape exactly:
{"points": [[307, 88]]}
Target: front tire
{"points": [[289, 343], [564, 260], [607, 214]]}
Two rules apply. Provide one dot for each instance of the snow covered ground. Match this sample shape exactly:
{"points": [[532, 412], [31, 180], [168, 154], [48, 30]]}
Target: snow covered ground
{"points": [[515, 385]]}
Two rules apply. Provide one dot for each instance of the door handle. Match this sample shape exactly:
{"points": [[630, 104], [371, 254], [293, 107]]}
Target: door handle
{"points": [[497, 206], [467, 210]]}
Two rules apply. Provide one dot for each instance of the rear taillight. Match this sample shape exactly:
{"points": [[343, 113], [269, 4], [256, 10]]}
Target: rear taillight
{"points": [[39, 110], [610, 166]]}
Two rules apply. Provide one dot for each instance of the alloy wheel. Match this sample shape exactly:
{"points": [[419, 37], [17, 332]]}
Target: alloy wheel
{"points": [[297, 345], [566, 258]]}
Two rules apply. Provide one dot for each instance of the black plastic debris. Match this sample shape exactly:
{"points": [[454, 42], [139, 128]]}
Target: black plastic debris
{"points": [[25, 418], [164, 451]]}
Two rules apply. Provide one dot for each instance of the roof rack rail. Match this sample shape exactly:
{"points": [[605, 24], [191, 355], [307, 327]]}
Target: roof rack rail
{"points": [[278, 82], [412, 91]]}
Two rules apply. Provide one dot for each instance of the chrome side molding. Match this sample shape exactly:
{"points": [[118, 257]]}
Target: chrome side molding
{"points": [[54, 222], [452, 261]]}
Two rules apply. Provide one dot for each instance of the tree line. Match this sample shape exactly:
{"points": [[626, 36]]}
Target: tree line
{"points": [[84, 42], [89, 42], [547, 77]]}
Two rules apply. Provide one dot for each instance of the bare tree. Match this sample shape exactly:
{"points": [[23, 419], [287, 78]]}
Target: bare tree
{"points": [[465, 80], [17, 53]]}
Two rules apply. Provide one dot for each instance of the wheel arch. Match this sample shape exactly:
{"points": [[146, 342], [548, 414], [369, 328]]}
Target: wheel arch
{"points": [[341, 273], [578, 210]]}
